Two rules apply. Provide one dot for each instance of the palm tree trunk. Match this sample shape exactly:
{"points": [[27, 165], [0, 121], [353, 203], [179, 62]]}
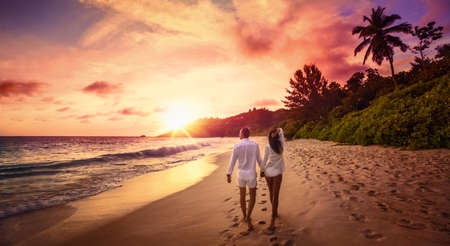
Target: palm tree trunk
{"points": [[391, 61]]}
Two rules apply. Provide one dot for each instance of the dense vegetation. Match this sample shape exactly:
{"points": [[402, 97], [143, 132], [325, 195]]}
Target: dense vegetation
{"points": [[416, 116], [372, 111], [408, 109]]}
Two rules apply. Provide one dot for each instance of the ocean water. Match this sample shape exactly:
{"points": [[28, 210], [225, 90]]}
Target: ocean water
{"points": [[38, 172]]}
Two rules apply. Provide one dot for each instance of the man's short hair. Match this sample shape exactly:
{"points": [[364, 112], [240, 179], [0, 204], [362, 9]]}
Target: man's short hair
{"points": [[245, 132]]}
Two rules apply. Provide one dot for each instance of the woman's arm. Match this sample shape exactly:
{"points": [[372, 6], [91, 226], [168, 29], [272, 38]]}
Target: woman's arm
{"points": [[281, 134]]}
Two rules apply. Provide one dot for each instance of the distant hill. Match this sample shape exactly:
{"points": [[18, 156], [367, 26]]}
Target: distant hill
{"points": [[259, 121]]}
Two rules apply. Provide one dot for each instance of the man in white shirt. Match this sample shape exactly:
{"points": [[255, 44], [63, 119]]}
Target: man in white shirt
{"points": [[247, 152]]}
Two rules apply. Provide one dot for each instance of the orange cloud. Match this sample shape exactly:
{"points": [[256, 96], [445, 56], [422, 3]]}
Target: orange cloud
{"points": [[102, 88], [85, 117], [132, 111], [63, 109], [17, 88]]}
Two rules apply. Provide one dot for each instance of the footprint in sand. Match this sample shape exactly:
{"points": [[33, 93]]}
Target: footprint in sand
{"points": [[406, 223], [262, 202], [355, 187], [370, 234], [288, 242], [371, 193], [227, 199], [224, 231], [235, 225], [357, 217], [263, 209], [273, 238], [263, 194], [262, 222], [383, 206], [337, 194], [231, 210]]}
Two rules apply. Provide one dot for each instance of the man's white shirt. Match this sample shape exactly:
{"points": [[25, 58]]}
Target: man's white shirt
{"points": [[247, 152]]}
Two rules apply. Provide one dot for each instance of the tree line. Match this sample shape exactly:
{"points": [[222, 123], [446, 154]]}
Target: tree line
{"points": [[312, 97]]}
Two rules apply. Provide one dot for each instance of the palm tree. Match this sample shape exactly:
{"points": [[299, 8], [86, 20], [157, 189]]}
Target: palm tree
{"points": [[377, 34]]}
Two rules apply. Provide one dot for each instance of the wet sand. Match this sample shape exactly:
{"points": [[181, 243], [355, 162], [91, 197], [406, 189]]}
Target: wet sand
{"points": [[331, 195]]}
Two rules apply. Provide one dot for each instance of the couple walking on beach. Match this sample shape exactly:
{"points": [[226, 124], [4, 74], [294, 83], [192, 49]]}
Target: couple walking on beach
{"points": [[271, 167]]}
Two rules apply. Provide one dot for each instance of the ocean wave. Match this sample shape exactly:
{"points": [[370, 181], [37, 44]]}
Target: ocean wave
{"points": [[19, 170]]}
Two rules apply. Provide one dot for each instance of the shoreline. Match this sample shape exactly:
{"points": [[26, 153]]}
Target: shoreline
{"points": [[331, 194], [76, 217]]}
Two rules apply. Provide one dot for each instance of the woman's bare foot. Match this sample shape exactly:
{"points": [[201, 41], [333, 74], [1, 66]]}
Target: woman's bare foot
{"points": [[244, 217], [250, 225]]}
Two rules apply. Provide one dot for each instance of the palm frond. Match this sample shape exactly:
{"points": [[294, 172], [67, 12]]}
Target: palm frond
{"points": [[362, 45], [357, 29], [396, 42], [365, 18], [404, 28], [390, 19], [377, 16], [369, 49], [368, 31]]}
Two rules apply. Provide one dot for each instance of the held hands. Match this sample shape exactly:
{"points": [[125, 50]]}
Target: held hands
{"points": [[228, 178], [261, 174]]}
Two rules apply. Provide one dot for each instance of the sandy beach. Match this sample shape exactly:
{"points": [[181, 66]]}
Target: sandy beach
{"points": [[331, 194]]}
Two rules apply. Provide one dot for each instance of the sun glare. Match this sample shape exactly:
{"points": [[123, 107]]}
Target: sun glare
{"points": [[177, 116]]}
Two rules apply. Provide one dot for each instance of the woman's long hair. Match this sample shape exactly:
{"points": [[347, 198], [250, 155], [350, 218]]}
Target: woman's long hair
{"points": [[274, 141]]}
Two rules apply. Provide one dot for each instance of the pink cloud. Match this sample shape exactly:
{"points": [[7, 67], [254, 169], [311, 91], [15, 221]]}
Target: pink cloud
{"points": [[85, 117], [114, 119], [17, 88], [102, 88], [265, 102], [132, 111], [63, 109], [51, 100], [47, 99]]}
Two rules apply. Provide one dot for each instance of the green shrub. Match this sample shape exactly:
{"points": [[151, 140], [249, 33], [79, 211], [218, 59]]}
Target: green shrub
{"points": [[416, 117]]}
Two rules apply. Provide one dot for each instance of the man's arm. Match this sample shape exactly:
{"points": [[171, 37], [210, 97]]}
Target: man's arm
{"points": [[233, 160], [260, 162], [266, 156]]}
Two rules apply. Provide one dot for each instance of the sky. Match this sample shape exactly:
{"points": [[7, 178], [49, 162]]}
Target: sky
{"points": [[132, 67]]}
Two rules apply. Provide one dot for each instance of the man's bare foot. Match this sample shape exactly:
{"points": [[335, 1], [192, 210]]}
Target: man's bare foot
{"points": [[244, 219], [270, 230], [272, 225]]}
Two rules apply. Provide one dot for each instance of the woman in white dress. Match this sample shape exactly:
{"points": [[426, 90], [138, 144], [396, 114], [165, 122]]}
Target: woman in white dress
{"points": [[274, 168]]}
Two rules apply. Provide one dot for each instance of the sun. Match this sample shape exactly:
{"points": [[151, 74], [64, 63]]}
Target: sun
{"points": [[177, 116]]}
